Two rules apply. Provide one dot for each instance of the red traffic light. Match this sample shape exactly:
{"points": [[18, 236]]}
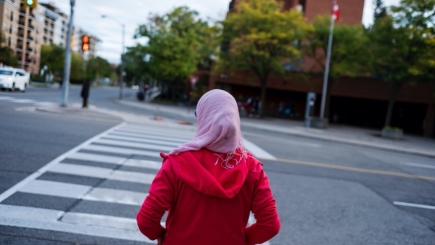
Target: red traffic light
{"points": [[85, 43]]}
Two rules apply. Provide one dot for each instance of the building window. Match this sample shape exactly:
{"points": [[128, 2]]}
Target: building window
{"points": [[9, 41], [12, 16]]}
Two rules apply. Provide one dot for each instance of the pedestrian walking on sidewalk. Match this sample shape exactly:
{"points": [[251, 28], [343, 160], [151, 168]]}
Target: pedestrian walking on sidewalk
{"points": [[85, 92], [210, 185]]}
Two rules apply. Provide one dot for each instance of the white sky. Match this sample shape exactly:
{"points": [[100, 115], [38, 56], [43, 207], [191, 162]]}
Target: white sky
{"points": [[132, 13]]}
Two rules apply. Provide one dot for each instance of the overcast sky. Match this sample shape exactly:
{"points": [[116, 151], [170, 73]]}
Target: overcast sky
{"points": [[88, 13]]}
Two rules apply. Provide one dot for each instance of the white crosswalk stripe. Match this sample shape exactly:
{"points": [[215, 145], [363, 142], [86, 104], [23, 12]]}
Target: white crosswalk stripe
{"points": [[120, 154], [26, 101]]}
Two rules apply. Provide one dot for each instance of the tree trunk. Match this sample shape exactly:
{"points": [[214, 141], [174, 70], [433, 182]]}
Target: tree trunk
{"points": [[394, 88], [263, 82]]}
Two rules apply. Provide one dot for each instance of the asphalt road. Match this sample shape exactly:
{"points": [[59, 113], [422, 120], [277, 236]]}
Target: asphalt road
{"points": [[327, 193]]}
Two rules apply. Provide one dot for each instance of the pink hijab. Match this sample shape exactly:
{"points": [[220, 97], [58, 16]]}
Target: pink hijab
{"points": [[218, 126]]}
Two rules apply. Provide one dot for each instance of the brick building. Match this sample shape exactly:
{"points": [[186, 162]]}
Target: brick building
{"points": [[354, 101]]}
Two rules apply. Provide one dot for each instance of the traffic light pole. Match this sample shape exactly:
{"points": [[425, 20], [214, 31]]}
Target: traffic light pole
{"points": [[121, 84], [67, 64]]}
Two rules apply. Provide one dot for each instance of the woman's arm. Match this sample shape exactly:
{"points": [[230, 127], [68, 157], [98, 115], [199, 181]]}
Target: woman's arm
{"points": [[265, 212], [159, 200]]}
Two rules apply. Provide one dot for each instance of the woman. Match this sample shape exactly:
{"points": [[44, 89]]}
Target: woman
{"points": [[210, 184]]}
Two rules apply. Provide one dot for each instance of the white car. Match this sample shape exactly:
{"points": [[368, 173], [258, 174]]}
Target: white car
{"points": [[12, 79]]}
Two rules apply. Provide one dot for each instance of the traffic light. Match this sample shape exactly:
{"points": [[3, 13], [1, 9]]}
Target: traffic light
{"points": [[85, 43], [31, 3]]}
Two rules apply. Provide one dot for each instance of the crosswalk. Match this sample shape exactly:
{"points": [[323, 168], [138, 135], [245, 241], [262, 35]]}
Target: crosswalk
{"points": [[27, 101], [97, 187]]}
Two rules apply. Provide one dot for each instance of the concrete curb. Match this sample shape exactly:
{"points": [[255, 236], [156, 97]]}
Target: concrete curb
{"points": [[367, 144]]}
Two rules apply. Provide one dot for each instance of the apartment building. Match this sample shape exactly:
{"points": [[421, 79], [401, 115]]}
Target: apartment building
{"points": [[22, 27], [26, 29], [55, 24]]}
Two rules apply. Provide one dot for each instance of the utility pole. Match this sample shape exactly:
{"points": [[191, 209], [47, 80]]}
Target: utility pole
{"points": [[334, 16], [122, 62], [67, 64]]}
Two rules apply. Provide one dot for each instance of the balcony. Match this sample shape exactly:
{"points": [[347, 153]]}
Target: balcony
{"points": [[30, 38], [31, 27]]}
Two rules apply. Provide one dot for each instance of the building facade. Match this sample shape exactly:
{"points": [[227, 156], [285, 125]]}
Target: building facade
{"points": [[360, 101], [26, 29], [22, 27]]}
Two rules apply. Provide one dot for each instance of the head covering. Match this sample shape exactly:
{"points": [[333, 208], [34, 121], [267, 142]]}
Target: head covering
{"points": [[218, 126]]}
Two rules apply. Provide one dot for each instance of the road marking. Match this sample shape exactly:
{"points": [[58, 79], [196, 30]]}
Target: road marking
{"points": [[81, 170], [137, 136], [153, 141], [102, 173], [45, 219], [6, 98], [22, 101], [117, 150], [134, 145], [59, 189], [49, 165], [159, 130], [116, 196], [100, 220], [169, 133], [361, 170], [418, 165], [143, 164], [414, 205], [96, 158], [257, 151]]}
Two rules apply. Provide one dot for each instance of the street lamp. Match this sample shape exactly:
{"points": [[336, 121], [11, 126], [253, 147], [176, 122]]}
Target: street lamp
{"points": [[122, 54]]}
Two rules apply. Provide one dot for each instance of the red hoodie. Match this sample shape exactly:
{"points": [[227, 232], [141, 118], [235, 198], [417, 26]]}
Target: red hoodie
{"points": [[209, 205]]}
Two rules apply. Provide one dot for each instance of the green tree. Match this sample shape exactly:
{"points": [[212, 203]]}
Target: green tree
{"points": [[78, 68], [402, 46], [7, 56], [97, 67], [347, 54], [136, 63], [53, 56], [261, 38], [177, 42], [380, 10]]}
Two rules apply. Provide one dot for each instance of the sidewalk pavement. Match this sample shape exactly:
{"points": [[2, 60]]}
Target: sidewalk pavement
{"points": [[371, 138]]}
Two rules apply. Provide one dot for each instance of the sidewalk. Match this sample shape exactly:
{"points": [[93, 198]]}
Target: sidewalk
{"points": [[411, 144]]}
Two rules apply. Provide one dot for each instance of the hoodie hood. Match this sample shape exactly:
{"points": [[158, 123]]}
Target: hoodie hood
{"points": [[202, 171]]}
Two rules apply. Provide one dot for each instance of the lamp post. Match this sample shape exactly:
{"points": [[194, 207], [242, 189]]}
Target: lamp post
{"points": [[67, 64], [122, 54]]}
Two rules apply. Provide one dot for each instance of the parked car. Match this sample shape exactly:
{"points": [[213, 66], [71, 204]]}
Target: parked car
{"points": [[13, 79]]}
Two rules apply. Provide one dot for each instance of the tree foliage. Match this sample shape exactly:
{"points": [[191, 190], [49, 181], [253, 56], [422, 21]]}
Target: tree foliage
{"points": [[348, 50], [7, 55], [261, 37], [53, 56], [402, 46], [177, 42], [97, 67]]}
